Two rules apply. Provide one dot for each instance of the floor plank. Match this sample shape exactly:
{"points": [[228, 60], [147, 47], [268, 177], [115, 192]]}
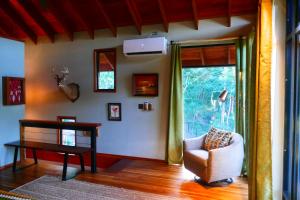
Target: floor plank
{"points": [[147, 176]]}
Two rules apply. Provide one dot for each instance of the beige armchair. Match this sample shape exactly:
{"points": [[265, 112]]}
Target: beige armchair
{"points": [[217, 164]]}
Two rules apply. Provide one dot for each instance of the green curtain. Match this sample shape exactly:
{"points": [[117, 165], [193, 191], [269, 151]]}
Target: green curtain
{"points": [[245, 90], [260, 167], [175, 135]]}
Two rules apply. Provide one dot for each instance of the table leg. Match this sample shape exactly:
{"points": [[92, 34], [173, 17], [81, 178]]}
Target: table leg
{"points": [[22, 138], [34, 156], [64, 175], [93, 150], [81, 162], [15, 159]]}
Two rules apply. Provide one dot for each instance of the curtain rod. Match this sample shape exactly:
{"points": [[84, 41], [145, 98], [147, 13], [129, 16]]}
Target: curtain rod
{"points": [[207, 41]]}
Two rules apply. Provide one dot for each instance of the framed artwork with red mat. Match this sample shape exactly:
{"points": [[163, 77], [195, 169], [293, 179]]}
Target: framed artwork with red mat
{"points": [[13, 90]]}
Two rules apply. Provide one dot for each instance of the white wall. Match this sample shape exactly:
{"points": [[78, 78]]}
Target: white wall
{"points": [[277, 92], [11, 64], [141, 134]]}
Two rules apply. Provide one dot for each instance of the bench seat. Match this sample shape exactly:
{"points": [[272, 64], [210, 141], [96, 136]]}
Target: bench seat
{"points": [[49, 147]]}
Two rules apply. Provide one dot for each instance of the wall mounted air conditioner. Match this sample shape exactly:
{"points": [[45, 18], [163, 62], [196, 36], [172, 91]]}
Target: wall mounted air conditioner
{"points": [[145, 46]]}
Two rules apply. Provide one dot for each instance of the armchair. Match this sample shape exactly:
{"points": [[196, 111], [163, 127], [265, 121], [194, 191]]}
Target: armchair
{"points": [[217, 164]]}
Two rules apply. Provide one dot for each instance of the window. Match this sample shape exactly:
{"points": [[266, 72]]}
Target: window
{"points": [[207, 73], [65, 136]]}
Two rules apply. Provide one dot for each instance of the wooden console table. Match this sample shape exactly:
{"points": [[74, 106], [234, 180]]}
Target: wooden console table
{"points": [[91, 127]]}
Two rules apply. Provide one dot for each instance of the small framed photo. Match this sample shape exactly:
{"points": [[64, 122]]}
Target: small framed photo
{"points": [[13, 90], [145, 84], [114, 112]]}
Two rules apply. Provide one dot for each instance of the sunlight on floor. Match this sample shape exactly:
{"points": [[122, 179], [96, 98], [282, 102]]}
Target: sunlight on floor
{"points": [[186, 174]]}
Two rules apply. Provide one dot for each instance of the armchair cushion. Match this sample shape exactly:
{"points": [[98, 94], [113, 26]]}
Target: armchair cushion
{"points": [[196, 156], [216, 138], [193, 143]]}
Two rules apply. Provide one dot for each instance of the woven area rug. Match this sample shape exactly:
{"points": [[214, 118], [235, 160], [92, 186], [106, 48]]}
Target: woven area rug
{"points": [[52, 188], [12, 196]]}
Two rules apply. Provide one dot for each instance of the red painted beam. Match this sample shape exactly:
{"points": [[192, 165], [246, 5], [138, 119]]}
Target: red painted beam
{"points": [[13, 14], [38, 18], [135, 15], [82, 19], [58, 16], [228, 13], [106, 17], [195, 13], [163, 15], [5, 32]]}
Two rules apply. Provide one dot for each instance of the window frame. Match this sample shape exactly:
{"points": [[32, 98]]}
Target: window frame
{"points": [[208, 66], [209, 45], [213, 66], [59, 131], [96, 70]]}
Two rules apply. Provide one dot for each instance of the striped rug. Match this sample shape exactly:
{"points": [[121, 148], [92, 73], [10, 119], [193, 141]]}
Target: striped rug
{"points": [[52, 188]]}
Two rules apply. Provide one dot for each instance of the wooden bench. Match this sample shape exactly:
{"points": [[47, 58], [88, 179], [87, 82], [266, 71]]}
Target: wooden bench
{"points": [[49, 147]]}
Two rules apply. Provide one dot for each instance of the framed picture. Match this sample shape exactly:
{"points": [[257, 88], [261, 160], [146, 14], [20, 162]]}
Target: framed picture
{"points": [[145, 84], [105, 79], [13, 90], [114, 111]]}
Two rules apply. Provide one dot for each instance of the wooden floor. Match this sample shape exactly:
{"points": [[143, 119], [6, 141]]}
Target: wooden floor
{"points": [[147, 176]]}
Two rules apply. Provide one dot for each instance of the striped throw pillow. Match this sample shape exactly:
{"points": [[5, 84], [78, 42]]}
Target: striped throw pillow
{"points": [[216, 138]]}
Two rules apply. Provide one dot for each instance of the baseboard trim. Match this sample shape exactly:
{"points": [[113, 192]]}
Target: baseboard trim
{"points": [[131, 157], [7, 166], [103, 160]]}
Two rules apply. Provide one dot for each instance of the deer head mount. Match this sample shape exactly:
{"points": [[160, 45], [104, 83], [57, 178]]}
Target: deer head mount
{"points": [[71, 90]]}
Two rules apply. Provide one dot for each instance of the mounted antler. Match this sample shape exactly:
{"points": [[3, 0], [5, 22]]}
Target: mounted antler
{"points": [[60, 79], [71, 90]]}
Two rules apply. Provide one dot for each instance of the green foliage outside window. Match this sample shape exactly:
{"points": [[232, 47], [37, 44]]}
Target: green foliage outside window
{"points": [[106, 80], [202, 108]]}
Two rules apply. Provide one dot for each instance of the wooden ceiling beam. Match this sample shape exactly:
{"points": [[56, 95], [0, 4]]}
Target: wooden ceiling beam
{"points": [[63, 23], [106, 17], [135, 15], [195, 13], [228, 13], [163, 15], [14, 15], [38, 19], [6, 35], [3, 29], [6, 32], [83, 20]]}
